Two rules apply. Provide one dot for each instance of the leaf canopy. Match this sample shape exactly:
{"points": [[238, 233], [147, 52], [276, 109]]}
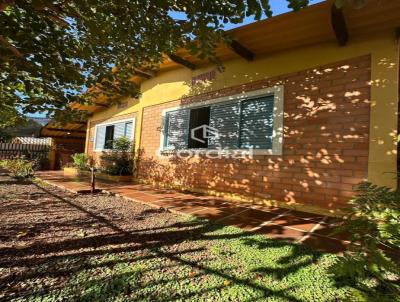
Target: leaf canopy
{"points": [[51, 51]]}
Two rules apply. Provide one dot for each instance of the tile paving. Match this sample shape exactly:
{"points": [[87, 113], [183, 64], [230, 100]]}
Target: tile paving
{"points": [[277, 223]]}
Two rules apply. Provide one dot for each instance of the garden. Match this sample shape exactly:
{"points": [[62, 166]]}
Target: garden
{"points": [[116, 164], [312, 86], [61, 246]]}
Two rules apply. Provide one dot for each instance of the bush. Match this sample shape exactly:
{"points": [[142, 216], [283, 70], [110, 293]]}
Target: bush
{"points": [[119, 161], [4, 136], [40, 163], [80, 161], [18, 168], [373, 221], [122, 144]]}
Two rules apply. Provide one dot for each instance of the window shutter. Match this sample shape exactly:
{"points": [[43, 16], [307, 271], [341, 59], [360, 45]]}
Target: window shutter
{"points": [[225, 118], [100, 137], [119, 130], [256, 123], [176, 130], [128, 130]]}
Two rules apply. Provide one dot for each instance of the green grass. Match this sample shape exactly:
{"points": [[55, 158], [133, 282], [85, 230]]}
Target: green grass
{"points": [[216, 264]]}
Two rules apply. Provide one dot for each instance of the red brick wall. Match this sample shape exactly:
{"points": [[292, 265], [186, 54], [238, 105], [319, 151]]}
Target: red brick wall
{"points": [[325, 144]]}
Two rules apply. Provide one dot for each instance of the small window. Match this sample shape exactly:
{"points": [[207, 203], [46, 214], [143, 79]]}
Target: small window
{"points": [[106, 134], [109, 138], [199, 117]]}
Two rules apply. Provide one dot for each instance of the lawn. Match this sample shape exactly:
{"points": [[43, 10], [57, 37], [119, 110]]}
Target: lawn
{"points": [[58, 246]]}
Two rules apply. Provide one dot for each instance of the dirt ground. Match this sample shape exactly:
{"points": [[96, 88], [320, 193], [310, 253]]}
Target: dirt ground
{"points": [[60, 246], [42, 224]]}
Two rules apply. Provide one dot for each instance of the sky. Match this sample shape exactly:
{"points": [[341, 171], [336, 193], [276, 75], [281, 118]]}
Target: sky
{"points": [[278, 7]]}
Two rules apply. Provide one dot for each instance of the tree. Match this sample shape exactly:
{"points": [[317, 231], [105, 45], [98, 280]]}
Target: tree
{"points": [[52, 50]]}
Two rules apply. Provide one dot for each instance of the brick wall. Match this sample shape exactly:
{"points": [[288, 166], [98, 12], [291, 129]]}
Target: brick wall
{"points": [[325, 144], [92, 129]]}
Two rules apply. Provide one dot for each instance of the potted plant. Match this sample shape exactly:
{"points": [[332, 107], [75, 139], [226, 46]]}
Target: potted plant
{"points": [[79, 165]]}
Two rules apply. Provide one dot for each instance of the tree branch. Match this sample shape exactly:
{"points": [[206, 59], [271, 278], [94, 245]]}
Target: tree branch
{"points": [[4, 4], [11, 47], [58, 21]]}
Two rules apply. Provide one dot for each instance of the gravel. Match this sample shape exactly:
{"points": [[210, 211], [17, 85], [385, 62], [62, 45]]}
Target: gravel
{"points": [[60, 246]]}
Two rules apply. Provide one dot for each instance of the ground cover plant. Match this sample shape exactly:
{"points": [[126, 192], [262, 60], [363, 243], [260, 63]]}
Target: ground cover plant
{"points": [[373, 220], [59, 246], [18, 168]]}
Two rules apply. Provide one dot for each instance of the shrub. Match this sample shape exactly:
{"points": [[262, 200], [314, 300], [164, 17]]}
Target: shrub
{"points": [[122, 144], [373, 221], [18, 168], [80, 161], [4, 136], [119, 161], [40, 163]]}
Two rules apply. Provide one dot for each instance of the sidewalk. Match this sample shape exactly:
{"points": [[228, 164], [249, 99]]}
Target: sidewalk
{"points": [[277, 223]]}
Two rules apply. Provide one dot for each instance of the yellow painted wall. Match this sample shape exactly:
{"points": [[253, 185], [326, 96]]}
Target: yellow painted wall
{"points": [[383, 47]]}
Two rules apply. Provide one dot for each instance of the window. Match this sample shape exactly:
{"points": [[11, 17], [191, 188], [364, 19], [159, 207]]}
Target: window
{"points": [[256, 123], [107, 133], [109, 137], [198, 118], [177, 126], [180, 123], [253, 120], [128, 129]]}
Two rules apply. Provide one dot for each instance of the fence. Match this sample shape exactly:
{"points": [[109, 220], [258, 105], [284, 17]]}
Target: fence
{"points": [[30, 149]]}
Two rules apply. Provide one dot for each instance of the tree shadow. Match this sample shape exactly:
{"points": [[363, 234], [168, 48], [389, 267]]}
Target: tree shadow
{"points": [[178, 243]]}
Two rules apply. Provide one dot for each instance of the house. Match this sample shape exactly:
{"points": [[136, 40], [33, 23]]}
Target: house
{"points": [[305, 109]]}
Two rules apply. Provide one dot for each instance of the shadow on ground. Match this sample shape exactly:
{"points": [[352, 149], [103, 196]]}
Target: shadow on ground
{"points": [[59, 245]]}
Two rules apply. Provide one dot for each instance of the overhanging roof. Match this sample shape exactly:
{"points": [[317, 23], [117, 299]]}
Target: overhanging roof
{"points": [[73, 130], [309, 26]]}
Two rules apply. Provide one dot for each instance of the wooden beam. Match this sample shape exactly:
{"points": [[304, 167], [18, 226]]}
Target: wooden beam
{"points": [[79, 123], [339, 25], [242, 51], [89, 104], [94, 104], [65, 130], [101, 105], [68, 137], [398, 33], [144, 74], [182, 61]]}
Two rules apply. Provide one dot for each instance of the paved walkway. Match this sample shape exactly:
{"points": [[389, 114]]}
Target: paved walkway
{"points": [[310, 229]]}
